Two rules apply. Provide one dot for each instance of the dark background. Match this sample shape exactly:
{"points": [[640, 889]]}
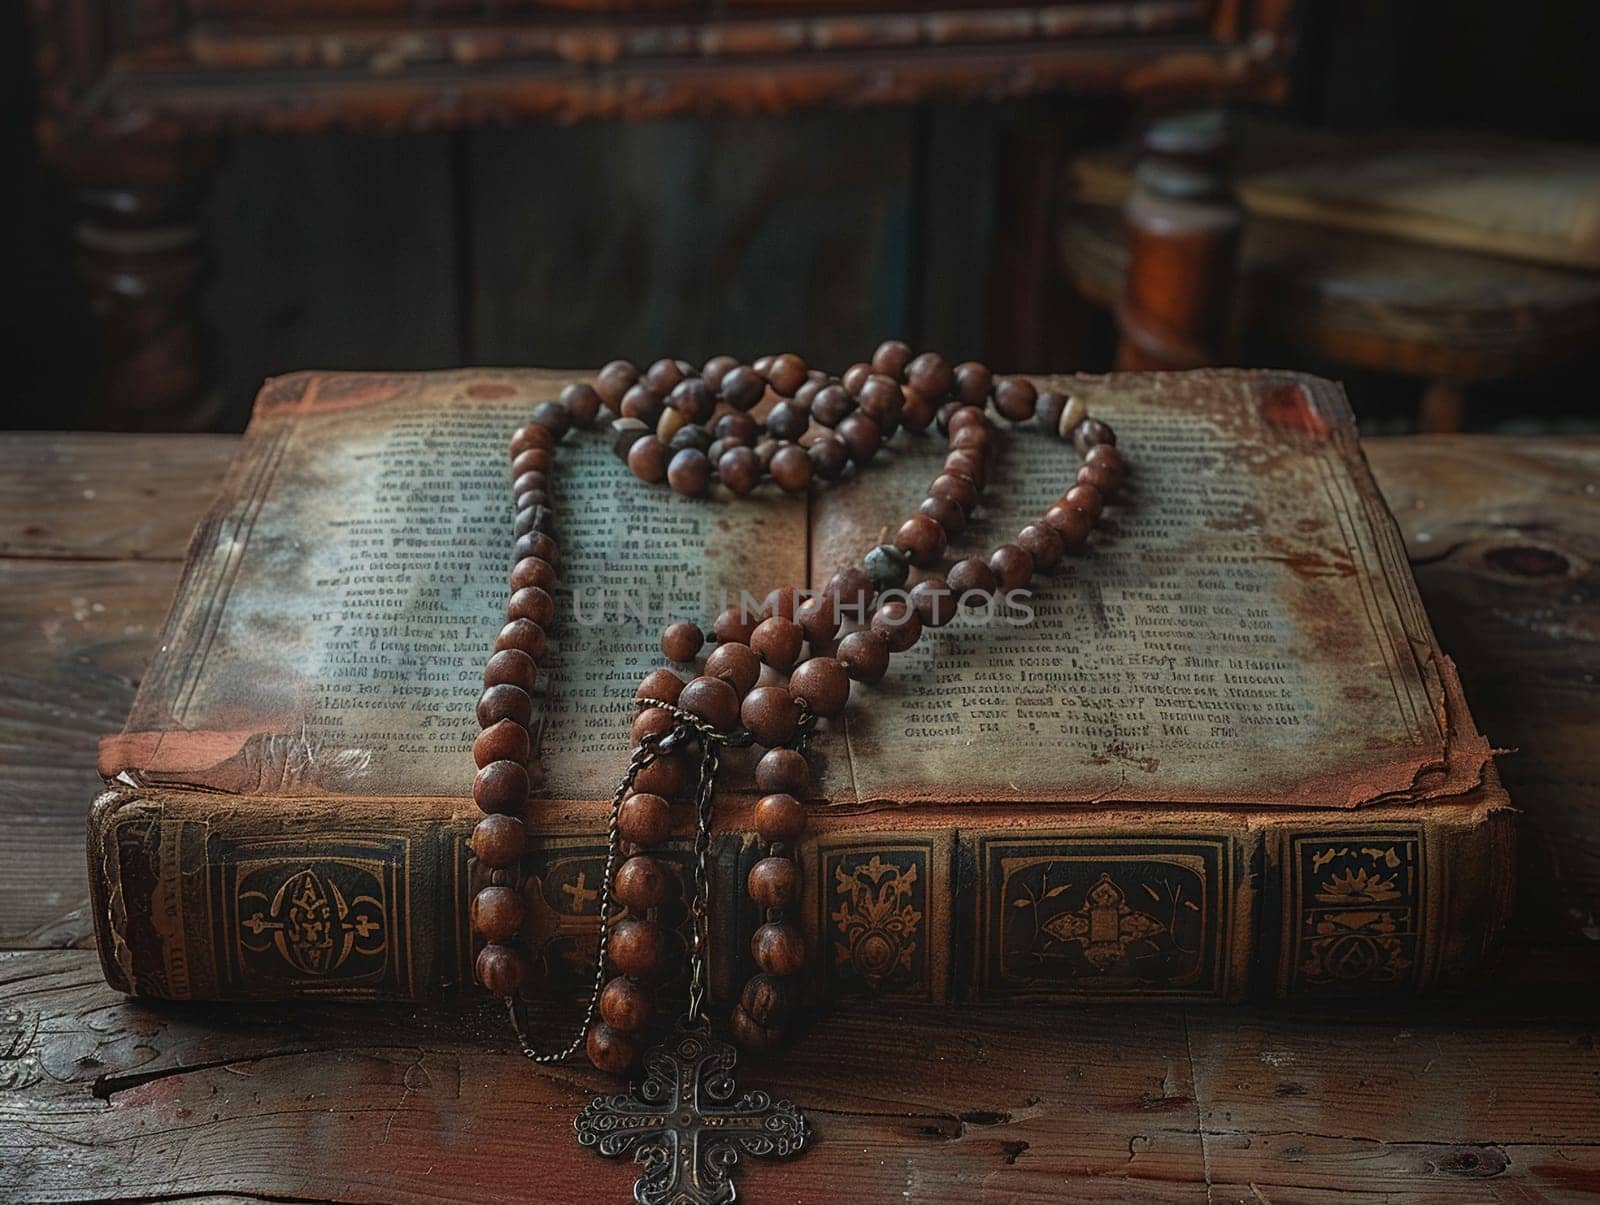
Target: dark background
{"points": [[822, 233]]}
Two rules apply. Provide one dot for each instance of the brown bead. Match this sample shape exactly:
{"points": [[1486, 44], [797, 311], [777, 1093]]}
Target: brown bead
{"points": [[500, 969], [918, 410], [783, 601], [786, 422], [647, 459], [682, 641], [1070, 523], [553, 415], [864, 655], [504, 741], [972, 582], [713, 700], [740, 470], [784, 771], [778, 949], [1043, 543], [636, 947], [945, 513], [774, 882], [689, 473], [530, 436], [854, 377], [898, 623], [533, 571], [641, 883], [645, 819], [779, 817], [663, 376], [967, 418], [504, 702], [501, 786], [922, 540], [625, 1005], [749, 1035], [533, 460], [543, 547], [582, 403], [693, 399], [791, 468], [497, 913], [1015, 398], [737, 427], [787, 374], [768, 1000], [532, 518], [669, 775], [818, 617], [611, 1050], [742, 387], [892, 357], [716, 368], [499, 840], [852, 588], [832, 405], [734, 625], [511, 666], [777, 642], [968, 463], [959, 490], [1101, 477], [652, 721], [862, 436], [1106, 455], [771, 715], [614, 380], [1087, 499], [1091, 432], [972, 383], [1048, 409], [643, 403], [931, 374], [934, 601], [1012, 566], [823, 684], [532, 602], [736, 664], [625, 432], [883, 401], [531, 481], [660, 684]]}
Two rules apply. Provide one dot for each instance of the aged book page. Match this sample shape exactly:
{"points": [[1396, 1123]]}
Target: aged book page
{"points": [[1245, 629], [331, 629]]}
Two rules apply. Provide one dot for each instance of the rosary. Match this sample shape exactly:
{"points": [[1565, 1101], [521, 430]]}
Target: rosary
{"points": [[767, 682]]}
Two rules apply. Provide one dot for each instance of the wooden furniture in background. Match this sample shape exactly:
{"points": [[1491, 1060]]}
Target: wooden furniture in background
{"points": [[136, 100], [1487, 1099]]}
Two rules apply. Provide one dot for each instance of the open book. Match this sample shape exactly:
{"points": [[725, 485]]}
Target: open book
{"points": [[1224, 757]]}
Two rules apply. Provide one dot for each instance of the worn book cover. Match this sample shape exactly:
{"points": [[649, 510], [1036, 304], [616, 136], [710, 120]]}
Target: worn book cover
{"points": [[1223, 759]]}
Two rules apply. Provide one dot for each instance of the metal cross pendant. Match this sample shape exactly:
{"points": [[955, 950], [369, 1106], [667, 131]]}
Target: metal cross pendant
{"points": [[687, 1123]]}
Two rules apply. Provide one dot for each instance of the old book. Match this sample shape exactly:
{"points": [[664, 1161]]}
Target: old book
{"points": [[1226, 759]]}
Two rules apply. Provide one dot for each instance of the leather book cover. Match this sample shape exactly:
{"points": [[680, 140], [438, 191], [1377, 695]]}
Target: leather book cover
{"points": [[1225, 758]]}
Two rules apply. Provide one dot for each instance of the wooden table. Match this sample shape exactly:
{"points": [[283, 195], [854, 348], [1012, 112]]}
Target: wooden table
{"points": [[1492, 1098]]}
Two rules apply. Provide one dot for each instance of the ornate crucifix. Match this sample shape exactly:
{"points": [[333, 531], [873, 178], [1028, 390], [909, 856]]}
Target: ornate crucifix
{"points": [[688, 1124]]}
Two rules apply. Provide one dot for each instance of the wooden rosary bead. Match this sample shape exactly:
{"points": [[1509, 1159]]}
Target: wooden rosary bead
{"points": [[532, 602], [972, 582], [862, 436], [749, 1035], [636, 947], [504, 741], [652, 721], [660, 684], [1049, 408], [864, 655], [829, 457], [774, 882], [791, 469], [504, 702], [500, 969], [967, 416], [854, 377], [625, 1005], [1091, 432], [886, 567], [669, 775], [778, 948], [511, 667], [898, 623], [647, 460], [777, 641], [785, 771], [1043, 543], [611, 1050], [737, 427], [934, 600], [499, 840], [692, 398], [528, 483], [1099, 476], [614, 380], [682, 641], [918, 409], [787, 374], [742, 387], [554, 416], [972, 383], [930, 374], [533, 518], [644, 819], [779, 817], [1087, 499], [531, 435], [771, 715], [1106, 454], [533, 571], [892, 357], [807, 393], [782, 601], [976, 440], [852, 590], [736, 664], [643, 403], [1012, 566], [833, 404], [740, 470], [582, 403], [501, 786], [689, 473], [1070, 523], [533, 460], [823, 684], [713, 700], [968, 463], [641, 883], [768, 1000], [522, 634], [818, 617], [663, 376], [786, 422], [959, 490], [716, 368], [882, 400], [1015, 397], [734, 625], [922, 540], [497, 913], [945, 513], [541, 545]]}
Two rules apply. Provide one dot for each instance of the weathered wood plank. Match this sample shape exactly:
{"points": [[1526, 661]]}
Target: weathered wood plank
{"points": [[102, 496]]}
